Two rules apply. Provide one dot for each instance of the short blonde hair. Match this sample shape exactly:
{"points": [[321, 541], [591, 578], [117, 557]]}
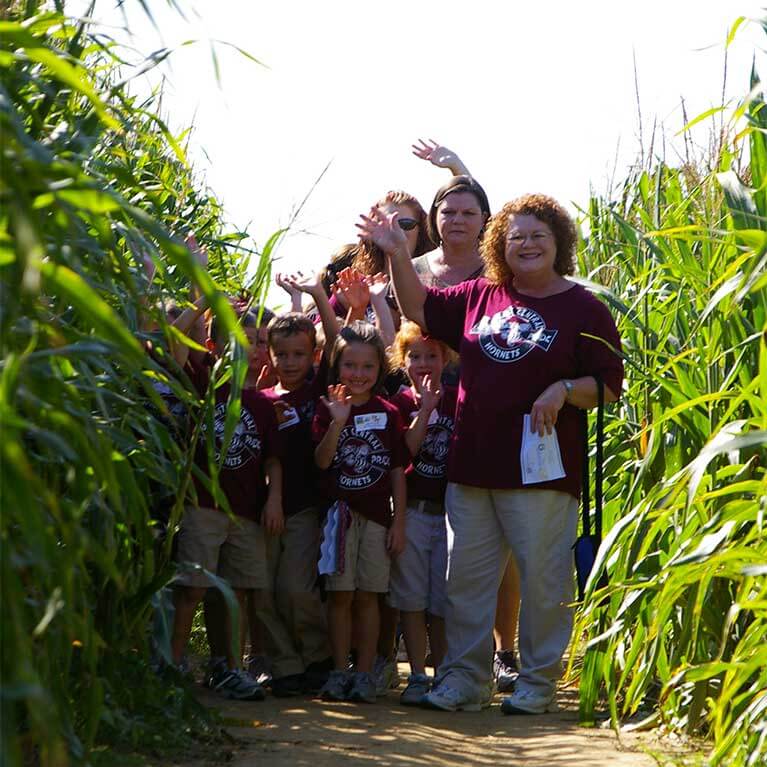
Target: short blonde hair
{"points": [[409, 333]]}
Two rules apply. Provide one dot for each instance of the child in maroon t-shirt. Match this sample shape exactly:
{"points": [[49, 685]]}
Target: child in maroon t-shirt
{"points": [[361, 448], [418, 574], [295, 621], [250, 479]]}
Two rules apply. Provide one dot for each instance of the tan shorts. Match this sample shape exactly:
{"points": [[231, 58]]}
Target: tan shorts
{"points": [[232, 547], [367, 562]]}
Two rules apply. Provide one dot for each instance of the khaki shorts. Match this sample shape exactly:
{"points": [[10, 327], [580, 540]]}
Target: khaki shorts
{"points": [[367, 562], [232, 547]]}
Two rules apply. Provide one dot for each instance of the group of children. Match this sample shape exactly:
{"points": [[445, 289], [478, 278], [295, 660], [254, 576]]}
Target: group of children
{"points": [[327, 517]]}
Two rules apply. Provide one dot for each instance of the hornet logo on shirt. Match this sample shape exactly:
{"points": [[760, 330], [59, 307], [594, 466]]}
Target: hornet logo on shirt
{"points": [[361, 459], [431, 460], [509, 335], [246, 442]]}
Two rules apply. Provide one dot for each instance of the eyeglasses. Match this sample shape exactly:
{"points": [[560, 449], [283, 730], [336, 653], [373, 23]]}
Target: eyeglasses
{"points": [[519, 239], [406, 224]]}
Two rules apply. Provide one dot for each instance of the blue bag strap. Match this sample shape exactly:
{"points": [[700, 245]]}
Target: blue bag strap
{"points": [[598, 497], [598, 475]]}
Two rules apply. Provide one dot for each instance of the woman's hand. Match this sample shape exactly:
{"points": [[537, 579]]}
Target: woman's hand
{"points": [[383, 230], [440, 156], [339, 403], [543, 415]]}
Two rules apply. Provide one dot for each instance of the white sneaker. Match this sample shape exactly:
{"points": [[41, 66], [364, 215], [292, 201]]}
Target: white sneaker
{"points": [[446, 698], [526, 701]]}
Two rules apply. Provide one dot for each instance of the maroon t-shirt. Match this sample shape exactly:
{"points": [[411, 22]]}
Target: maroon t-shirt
{"points": [[300, 486], [512, 347], [241, 476], [371, 444], [427, 473]]}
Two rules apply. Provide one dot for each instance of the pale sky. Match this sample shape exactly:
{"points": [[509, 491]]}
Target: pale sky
{"points": [[533, 96]]}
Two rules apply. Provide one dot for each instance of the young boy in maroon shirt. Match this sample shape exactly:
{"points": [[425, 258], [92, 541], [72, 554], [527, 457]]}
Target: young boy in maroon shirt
{"points": [[296, 625], [230, 545]]}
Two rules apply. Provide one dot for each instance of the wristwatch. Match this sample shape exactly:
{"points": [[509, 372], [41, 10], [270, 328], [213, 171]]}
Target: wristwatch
{"points": [[568, 388]]}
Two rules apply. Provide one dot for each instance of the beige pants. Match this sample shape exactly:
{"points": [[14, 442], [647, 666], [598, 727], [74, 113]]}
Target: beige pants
{"points": [[295, 620], [539, 527]]}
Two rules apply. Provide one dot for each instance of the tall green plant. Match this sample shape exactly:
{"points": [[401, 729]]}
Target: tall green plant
{"points": [[95, 194], [679, 634]]}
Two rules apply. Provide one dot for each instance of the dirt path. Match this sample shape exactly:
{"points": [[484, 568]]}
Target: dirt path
{"points": [[302, 732]]}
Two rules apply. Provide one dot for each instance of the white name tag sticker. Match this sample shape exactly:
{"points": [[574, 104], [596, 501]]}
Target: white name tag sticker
{"points": [[370, 422], [288, 417]]}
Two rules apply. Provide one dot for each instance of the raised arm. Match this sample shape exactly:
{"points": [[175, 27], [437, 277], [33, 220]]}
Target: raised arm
{"points": [[312, 284], [440, 156], [283, 280], [378, 285], [384, 231], [184, 324]]}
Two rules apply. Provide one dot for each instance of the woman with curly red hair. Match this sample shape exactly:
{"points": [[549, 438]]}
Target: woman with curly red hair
{"points": [[532, 345]]}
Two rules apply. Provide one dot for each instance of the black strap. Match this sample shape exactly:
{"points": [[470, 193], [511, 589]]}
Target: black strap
{"points": [[585, 493]]}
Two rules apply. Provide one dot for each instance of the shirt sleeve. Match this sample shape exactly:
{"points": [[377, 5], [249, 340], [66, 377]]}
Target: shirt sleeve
{"points": [[400, 455], [445, 313], [336, 305], [599, 347], [320, 423], [274, 440]]}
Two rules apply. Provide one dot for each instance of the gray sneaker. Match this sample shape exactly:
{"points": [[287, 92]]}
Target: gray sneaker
{"points": [[259, 668], [505, 670], [363, 688], [417, 686], [447, 698], [337, 686], [386, 675], [237, 684]]}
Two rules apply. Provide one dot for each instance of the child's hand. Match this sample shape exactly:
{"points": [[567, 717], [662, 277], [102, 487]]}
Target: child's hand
{"points": [[339, 403], [378, 284], [200, 254], [299, 282], [352, 286], [273, 519], [395, 538], [266, 378], [429, 393]]}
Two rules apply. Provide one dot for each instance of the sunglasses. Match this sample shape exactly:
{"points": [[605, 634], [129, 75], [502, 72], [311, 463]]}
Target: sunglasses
{"points": [[407, 224]]}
